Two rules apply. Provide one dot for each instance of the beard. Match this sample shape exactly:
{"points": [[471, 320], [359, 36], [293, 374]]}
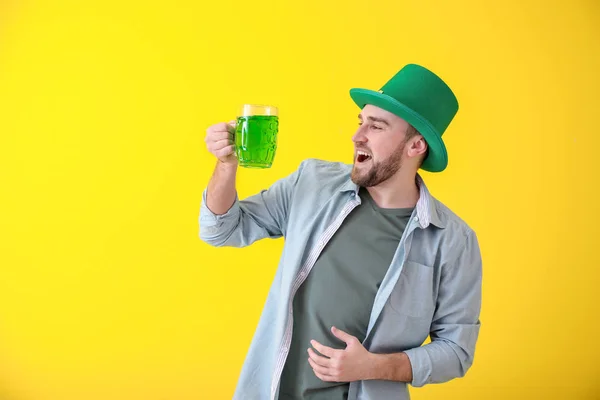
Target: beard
{"points": [[373, 173]]}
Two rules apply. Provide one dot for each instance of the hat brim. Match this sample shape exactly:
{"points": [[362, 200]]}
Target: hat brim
{"points": [[437, 159]]}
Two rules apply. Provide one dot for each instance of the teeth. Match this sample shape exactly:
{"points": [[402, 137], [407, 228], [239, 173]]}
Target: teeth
{"points": [[362, 153]]}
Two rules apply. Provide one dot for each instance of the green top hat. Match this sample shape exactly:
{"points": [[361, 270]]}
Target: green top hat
{"points": [[422, 99]]}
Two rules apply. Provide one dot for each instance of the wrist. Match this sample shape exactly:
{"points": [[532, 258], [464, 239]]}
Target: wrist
{"points": [[391, 367], [228, 165], [227, 169]]}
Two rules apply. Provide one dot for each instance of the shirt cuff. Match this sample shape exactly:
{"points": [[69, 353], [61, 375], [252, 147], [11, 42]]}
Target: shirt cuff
{"points": [[421, 366], [210, 219]]}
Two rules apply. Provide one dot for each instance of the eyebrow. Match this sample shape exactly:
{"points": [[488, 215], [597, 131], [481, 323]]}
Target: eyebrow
{"points": [[375, 119]]}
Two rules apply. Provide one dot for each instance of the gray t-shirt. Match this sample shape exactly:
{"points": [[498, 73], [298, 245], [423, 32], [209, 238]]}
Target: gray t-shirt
{"points": [[340, 291]]}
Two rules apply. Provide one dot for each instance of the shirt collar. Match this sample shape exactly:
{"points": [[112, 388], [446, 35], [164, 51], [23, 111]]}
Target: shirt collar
{"points": [[427, 212]]}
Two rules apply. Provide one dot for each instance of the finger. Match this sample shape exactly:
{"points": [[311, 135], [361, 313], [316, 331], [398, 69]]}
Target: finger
{"points": [[320, 360], [318, 368], [225, 151], [326, 351], [218, 135], [340, 334], [231, 125], [218, 145], [220, 127], [325, 378]]}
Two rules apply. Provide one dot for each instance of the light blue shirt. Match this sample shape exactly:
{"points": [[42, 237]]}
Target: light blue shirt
{"points": [[432, 287]]}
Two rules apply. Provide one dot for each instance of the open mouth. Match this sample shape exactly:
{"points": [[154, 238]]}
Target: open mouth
{"points": [[362, 156]]}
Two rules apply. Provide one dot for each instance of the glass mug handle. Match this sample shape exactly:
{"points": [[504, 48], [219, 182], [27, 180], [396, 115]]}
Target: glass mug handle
{"points": [[233, 124]]}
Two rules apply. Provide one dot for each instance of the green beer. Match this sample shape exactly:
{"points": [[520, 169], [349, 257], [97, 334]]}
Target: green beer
{"points": [[256, 140]]}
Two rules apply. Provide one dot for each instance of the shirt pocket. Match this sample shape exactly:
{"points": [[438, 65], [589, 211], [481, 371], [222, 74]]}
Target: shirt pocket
{"points": [[413, 293]]}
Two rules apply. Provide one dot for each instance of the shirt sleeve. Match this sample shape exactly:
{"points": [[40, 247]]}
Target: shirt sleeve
{"points": [[263, 215], [455, 326]]}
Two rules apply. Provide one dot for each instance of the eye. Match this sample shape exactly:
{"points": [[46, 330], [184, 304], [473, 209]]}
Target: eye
{"points": [[375, 127]]}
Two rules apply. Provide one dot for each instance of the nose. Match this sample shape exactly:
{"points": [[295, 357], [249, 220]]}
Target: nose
{"points": [[359, 136]]}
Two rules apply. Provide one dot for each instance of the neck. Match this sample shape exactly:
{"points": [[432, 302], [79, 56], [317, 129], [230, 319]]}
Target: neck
{"points": [[400, 191]]}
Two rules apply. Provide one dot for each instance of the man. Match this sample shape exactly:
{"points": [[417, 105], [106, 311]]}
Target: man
{"points": [[372, 263]]}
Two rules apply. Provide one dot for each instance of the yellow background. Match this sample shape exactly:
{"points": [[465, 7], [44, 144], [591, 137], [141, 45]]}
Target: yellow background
{"points": [[106, 291]]}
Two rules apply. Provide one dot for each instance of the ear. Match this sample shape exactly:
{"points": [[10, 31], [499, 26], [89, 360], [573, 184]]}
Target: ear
{"points": [[417, 146]]}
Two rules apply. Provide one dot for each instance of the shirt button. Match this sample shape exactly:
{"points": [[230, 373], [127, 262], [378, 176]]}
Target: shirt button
{"points": [[302, 274], [416, 219]]}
